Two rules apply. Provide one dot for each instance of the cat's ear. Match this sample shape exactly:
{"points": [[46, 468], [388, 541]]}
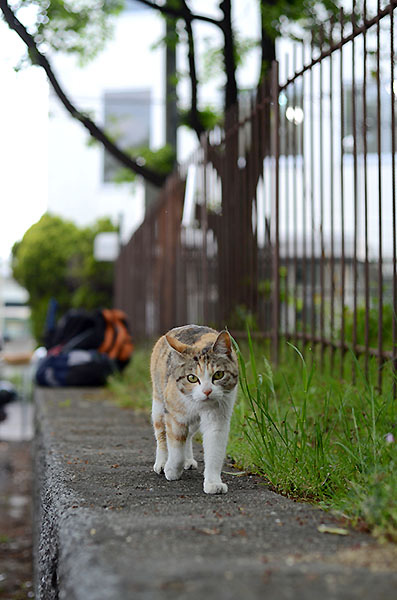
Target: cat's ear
{"points": [[223, 344], [176, 344]]}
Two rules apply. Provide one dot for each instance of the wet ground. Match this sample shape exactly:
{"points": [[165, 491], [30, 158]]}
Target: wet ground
{"points": [[18, 426], [15, 521], [16, 432]]}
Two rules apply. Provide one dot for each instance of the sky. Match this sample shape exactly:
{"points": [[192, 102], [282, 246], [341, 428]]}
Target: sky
{"points": [[23, 143]]}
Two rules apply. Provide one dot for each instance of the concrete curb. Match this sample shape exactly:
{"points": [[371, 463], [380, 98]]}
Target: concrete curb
{"points": [[108, 528]]}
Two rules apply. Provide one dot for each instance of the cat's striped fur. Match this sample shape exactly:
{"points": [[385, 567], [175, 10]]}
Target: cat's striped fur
{"points": [[194, 375]]}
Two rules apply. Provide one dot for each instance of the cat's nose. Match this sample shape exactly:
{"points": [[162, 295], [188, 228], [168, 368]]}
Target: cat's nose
{"points": [[207, 392]]}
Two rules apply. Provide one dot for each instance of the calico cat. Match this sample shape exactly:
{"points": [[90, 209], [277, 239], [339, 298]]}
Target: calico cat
{"points": [[194, 375]]}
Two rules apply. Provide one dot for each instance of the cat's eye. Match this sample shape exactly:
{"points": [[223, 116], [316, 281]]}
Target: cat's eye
{"points": [[192, 378], [218, 375]]}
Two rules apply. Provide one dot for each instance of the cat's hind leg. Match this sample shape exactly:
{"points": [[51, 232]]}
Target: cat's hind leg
{"points": [[160, 435]]}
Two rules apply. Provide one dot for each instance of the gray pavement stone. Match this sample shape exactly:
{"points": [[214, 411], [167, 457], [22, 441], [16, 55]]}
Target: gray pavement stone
{"points": [[108, 528]]}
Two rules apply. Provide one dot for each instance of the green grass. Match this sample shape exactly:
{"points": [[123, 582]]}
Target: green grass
{"points": [[318, 438], [310, 434], [132, 388]]}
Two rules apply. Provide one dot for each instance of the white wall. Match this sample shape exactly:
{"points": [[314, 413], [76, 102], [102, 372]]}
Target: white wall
{"points": [[23, 143]]}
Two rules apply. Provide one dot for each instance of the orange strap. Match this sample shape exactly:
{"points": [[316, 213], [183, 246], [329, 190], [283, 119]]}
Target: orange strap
{"points": [[117, 341], [109, 332]]}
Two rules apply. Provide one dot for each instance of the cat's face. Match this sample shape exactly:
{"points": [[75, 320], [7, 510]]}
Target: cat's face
{"points": [[205, 375]]}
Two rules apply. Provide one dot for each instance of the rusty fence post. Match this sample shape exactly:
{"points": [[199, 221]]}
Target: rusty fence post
{"points": [[204, 227], [275, 139]]}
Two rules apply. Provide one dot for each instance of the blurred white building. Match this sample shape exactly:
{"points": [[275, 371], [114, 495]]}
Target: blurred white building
{"points": [[15, 333]]}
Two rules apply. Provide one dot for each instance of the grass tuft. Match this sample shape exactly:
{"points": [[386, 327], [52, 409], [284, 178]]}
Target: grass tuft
{"points": [[316, 438]]}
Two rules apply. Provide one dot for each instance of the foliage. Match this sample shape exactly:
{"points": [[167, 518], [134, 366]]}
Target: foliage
{"points": [[212, 58], [208, 117], [278, 17], [161, 160], [55, 259], [133, 386], [80, 27], [373, 320], [241, 318]]}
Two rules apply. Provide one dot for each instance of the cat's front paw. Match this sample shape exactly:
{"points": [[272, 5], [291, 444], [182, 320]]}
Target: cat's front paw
{"points": [[158, 467], [190, 463], [172, 473], [215, 488]]}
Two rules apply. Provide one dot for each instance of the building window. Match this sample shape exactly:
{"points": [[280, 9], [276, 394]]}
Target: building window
{"points": [[127, 121]]}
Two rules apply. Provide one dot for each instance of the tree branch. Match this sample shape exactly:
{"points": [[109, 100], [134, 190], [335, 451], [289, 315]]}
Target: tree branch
{"points": [[194, 117], [185, 13], [231, 95], [268, 46], [180, 13], [38, 58]]}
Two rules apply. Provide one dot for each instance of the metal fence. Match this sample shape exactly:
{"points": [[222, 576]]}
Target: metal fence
{"points": [[287, 217]]}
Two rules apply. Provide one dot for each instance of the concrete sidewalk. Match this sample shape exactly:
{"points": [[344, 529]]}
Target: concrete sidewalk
{"points": [[109, 528]]}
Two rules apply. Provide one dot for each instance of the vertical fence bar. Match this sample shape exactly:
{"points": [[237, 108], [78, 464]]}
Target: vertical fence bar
{"points": [[255, 175], [355, 191], [380, 245], [332, 191], [393, 151], [204, 227], [258, 162], [143, 281], [266, 123], [263, 272], [235, 255], [365, 153], [295, 197], [287, 155], [312, 204], [322, 249], [276, 212], [304, 200], [221, 236], [243, 178], [342, 194], [228, 184]]}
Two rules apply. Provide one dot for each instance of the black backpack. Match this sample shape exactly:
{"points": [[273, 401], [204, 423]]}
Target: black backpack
{"points": [[75, 368], [85, 347], [105, 330], [78, 328]]}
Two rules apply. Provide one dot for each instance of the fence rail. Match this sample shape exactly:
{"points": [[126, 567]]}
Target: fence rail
{"points": [[287, 217]]}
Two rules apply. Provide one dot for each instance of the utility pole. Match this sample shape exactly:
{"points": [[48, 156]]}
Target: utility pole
{"points": [[171, 111]]}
